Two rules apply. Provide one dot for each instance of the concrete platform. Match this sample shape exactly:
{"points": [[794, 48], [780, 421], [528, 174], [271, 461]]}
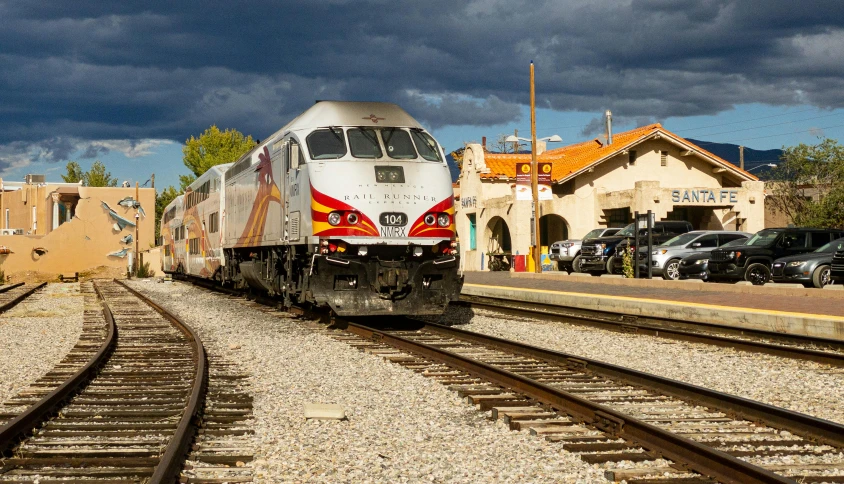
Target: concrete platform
{"points": [[792, 310]]}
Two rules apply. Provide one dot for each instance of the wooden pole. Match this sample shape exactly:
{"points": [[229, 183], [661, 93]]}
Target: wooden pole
{"points": [[137, 222], [534, 174]]}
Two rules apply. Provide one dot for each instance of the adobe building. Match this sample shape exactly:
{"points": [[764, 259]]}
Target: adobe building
{"points": [[601, 183], [63, 228]]}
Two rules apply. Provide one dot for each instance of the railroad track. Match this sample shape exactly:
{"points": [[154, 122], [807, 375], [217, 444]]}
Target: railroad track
{"points": [[612, 414], [120, 407], [13, 294], [820, 350]]}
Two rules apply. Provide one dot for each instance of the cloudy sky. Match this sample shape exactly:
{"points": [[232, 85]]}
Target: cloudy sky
{"points": [[127, 82]]}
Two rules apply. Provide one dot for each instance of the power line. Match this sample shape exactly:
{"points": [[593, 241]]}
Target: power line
{"points": [[744, 121], [775, 124], [770, 135]]}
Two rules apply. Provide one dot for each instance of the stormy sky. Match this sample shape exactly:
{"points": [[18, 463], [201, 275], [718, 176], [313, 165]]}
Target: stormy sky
{"points": [[88, 78]]}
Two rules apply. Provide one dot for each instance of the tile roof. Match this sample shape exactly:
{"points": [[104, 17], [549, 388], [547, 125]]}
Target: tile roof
{"points": [[573, 158]]}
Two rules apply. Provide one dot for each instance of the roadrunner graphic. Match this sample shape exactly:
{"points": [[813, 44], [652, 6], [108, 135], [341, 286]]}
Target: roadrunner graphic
{"points": [[267, 193]]}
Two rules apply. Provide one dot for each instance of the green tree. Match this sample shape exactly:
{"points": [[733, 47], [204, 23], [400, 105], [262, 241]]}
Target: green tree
{"points": [[74, 173], [213, 147], [808, 184], [161, 201], [97, 176]]}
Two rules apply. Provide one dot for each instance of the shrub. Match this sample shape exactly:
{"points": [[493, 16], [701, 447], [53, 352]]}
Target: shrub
{"points": [[144, 270], [627, 263]]}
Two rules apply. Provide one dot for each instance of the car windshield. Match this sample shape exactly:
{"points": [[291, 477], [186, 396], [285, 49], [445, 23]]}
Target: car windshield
{"points": [[593, 233], [734, 243], [364, 143], [830, 247], [764, 237], [398, 143], [426, 146], [681, 239], [628, 231]]}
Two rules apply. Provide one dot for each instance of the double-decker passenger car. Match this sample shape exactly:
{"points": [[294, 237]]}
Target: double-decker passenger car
{"points": [[350, 205]]}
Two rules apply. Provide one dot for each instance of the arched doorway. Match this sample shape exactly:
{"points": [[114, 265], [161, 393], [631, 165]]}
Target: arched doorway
{"points": [[552, 228], [497, 236]]}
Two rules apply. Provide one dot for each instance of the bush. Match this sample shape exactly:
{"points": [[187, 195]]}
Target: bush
{"points": [[144, 271], [627, 263]]}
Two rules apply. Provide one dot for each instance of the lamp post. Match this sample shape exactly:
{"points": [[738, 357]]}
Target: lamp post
{"points": [[534, 171]]}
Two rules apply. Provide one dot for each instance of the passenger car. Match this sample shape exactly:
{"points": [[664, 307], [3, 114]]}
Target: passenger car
{"points": [[753, 261], [696, 266], [567, 252], [665, 258], [612, 248], [812, 269], [837, 272]]}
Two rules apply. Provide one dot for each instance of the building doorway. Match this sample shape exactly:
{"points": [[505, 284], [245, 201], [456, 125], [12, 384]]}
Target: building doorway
{"points": [[701, 218], [497, 235], [552, 228]]}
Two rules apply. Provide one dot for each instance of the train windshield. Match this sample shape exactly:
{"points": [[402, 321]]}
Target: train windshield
{"points": [[398, 144], [327, 144], [426, 145], [363, 143]]}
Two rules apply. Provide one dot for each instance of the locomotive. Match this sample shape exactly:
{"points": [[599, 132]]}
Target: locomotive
{"points": [[350, 206]]}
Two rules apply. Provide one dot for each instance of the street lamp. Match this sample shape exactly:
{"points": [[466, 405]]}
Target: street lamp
{"points": [[534, 171], [771, 165]]}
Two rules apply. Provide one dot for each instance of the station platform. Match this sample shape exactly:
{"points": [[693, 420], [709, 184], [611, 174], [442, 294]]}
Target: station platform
{"points": [[781, 308]]}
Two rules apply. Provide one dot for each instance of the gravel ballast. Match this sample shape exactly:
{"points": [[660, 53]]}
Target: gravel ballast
{"points": [[802, 386], [36, 334], [401, 427]]}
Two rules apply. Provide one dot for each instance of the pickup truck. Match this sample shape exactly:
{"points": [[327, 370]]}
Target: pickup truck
{"points": [[567, 252], [601, 254], [754, 260]]}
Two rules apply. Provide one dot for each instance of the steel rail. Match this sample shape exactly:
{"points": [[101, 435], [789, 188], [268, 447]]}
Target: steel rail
{"points": [[686, 452], [665, 331], [814, 428], [9, 287], [9, 305], [176, 451], [40, 411]]}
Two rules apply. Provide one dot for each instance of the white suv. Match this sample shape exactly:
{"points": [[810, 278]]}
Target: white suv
{"points": [[567, 252]]}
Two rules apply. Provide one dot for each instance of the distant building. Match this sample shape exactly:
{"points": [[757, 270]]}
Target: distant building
{"points": [[596, 184], [62, 228]]}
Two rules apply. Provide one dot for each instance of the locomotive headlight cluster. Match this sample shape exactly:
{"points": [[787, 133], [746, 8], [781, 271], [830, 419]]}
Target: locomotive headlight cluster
{"points": [[430, 219], [334, 218], [441, 219]]}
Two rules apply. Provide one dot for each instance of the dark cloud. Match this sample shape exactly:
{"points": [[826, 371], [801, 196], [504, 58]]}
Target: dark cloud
{"points": [[167, 70]]}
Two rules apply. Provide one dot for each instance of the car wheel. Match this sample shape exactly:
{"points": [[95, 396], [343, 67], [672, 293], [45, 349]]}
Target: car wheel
{"points": [[822, 276], [610, 262], [575, 264], [757, 274], [671, 271]]}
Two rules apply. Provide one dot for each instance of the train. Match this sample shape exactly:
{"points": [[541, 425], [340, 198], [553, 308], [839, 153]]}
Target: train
{"points": [[349, 206]]}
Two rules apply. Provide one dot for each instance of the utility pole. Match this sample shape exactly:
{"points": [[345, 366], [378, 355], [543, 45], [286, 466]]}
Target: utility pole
{"points": [[534, 174], [741, 157], [516, 143], [137, 222]]}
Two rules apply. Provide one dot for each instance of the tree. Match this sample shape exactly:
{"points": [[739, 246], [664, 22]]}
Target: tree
{"points": [[808, 184], [161, 201], [74, 173], [97, 176], [214, 147]]}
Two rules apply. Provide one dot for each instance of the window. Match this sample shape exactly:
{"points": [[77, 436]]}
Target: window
{"points": [[617, 217], [708, 241], [794, 240], [473, 243], [214, 223], [7, 220], [34, 219], [326, 144], [663, 158], [819, 239], [167, 250], [193, 246], [398, 144], [363, 143], [426, 145], [631, 157], [724, 238]]}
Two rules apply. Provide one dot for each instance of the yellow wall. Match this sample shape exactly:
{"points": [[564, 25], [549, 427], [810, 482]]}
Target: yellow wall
{"points": [[81, 244]]}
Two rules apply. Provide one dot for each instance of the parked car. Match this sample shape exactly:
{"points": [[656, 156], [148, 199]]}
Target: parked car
{"points": [[696, 266], [753, 261], [813, 269], [837, 272], [567, 252], [601, 254], [665, 258]]}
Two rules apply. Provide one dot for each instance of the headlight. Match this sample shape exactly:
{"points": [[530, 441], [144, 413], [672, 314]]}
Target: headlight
{"points": [[334, 218], [796, 263], [731, 255], [655, 252], [430, 219], [701, 261], [352, 218], [443, 220]]}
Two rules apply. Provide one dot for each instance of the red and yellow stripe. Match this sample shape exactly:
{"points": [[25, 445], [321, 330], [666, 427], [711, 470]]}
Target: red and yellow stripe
{"points": [[420, 229], [322, 205]]}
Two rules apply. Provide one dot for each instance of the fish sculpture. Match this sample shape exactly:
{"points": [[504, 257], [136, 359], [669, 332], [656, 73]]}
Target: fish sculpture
{"points": [[127, 240], [120, 222], [121, 253]]}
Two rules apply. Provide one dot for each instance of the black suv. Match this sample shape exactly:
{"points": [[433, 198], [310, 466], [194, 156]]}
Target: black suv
{"points": [[752, 261], [837, 269], [599, 254]]}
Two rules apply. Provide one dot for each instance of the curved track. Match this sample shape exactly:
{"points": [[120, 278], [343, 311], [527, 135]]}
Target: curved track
{"points": [[13, 294], [120, 407]]}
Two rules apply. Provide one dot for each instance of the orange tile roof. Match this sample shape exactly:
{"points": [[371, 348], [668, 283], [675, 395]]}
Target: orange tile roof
{"points": [[573, 158]]}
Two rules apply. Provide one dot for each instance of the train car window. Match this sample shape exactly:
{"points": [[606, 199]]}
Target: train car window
{"points": [[294, 155], [426, 145], [364, 143], [398, 143], [326, 144]]}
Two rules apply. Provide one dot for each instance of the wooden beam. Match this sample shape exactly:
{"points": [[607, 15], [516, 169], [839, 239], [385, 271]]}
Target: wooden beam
{"points": [[718, 169], [686, 153]]}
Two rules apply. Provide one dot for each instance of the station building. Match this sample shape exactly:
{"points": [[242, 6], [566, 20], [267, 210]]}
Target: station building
{"points": [[601, 183], [63, 228]]}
